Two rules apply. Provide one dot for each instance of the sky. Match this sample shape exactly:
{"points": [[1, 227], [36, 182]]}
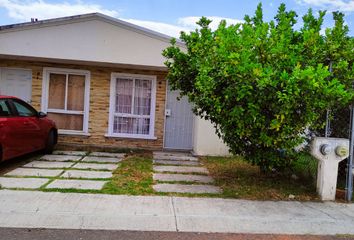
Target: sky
{"points": [[168, 16]]}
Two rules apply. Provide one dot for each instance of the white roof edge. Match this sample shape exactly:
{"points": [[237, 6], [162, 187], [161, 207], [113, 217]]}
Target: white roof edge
{"points": [[89, 16]]}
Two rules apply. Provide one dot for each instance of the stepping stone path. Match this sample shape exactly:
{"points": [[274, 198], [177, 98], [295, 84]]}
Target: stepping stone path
{"points": [[181, 169], [30, 183], [60, 158], [105, 154], [34, 172], [75, 153], [190, 171], [77, 184], [171, 162], [64, 170], [86, 174], [95, 166], [184, 188], [101, 159], [182, 178], [50, 165]]}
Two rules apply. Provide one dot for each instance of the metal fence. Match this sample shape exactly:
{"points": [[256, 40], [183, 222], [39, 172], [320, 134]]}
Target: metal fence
{"points": [[339, 124]]}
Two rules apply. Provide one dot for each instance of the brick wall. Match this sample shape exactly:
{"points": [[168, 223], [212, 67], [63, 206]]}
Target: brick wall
{"points": [[99, 104]]}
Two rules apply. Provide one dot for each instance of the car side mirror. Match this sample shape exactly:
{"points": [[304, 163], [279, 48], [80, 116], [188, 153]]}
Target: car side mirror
{"points": [[42, 114]]}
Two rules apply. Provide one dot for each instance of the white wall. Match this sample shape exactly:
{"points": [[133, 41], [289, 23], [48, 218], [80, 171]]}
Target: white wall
{"points": [[205, 141], [91, 40]]}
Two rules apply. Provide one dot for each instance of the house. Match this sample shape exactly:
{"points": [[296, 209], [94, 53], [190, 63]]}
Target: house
{"points": [[104, 83]]}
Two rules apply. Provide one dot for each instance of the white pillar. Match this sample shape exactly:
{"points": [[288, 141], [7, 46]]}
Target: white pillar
{"points": [[329, 152]]}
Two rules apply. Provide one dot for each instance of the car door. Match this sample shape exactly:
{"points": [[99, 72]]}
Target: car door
{"points": [[10, 135], [29, 125]]}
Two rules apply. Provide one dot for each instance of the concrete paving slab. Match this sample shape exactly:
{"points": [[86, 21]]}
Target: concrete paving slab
{"points": [[75, 153], [30, 183], [101, 159], [86, 174], [242, 216], [183, 188], [77, 184], [60, 158], [43, 164], [182, 177], [175, 158], [176, 162], [35, 172], [85, 211], [106, 154], [96, 166], [180, 169], [170, 153]]}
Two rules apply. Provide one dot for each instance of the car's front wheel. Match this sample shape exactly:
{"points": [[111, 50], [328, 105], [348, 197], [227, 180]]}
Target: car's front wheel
{"points": [[49, 146]]}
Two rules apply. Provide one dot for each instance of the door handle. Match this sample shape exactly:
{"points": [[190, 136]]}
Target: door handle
{"points": [[1, 125], [26, 123]]}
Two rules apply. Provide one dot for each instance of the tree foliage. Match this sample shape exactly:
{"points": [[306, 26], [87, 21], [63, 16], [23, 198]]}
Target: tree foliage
{"points": [[263, 83]]}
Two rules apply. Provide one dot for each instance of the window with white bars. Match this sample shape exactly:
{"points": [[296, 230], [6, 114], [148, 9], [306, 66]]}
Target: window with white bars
{"points": [[132, 106]]}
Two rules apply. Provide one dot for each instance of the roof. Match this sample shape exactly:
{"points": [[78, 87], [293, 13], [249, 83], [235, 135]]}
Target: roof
{"points": [[92, 38], [84, 17]]}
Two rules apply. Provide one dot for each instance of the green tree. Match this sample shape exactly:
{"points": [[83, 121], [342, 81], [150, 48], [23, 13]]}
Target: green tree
{"points": [[262, 84]]}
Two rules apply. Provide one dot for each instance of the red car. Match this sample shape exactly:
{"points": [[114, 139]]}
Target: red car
{"points": [[23, 129]]}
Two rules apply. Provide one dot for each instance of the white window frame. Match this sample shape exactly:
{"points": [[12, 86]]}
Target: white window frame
{"points": [[112, 106], [45, 93]]}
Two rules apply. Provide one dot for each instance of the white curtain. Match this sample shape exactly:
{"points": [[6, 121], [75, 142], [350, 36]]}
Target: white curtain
{"points": [[139, 120]]}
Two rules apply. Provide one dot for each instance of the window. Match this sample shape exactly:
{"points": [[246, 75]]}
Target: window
{"points": [[4, 108], [132, 106], [23, 110], [66, 99]]}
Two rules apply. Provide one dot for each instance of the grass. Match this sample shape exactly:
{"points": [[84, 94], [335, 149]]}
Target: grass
{"points": [[133, 177], [239, 179]]}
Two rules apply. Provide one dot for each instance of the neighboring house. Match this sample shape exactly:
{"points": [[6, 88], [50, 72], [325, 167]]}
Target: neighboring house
{"points": [[103, 81]]}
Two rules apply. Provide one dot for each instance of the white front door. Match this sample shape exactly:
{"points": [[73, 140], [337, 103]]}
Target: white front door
{"points": [[16, 82]]}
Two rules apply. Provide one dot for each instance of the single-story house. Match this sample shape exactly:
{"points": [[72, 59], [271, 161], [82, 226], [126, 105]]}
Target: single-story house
{"points": [[104, 83]]}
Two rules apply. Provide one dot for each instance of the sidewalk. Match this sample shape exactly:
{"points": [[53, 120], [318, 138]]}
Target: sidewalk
{"points": [[32, 209]]}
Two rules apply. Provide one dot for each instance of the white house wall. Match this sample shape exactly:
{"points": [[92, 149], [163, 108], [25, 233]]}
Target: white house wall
{"points": [[206, 142], [93, 40]]}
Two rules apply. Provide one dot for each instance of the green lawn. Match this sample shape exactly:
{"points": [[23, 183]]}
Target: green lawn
{"points": [[132, 177], [239, 179]]}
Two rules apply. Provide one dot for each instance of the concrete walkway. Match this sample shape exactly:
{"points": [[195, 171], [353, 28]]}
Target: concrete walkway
{"points": [[167, 164], [33, 209]]}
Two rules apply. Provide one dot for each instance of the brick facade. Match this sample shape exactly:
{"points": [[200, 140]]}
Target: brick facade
{"points": [[99, 104]]}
